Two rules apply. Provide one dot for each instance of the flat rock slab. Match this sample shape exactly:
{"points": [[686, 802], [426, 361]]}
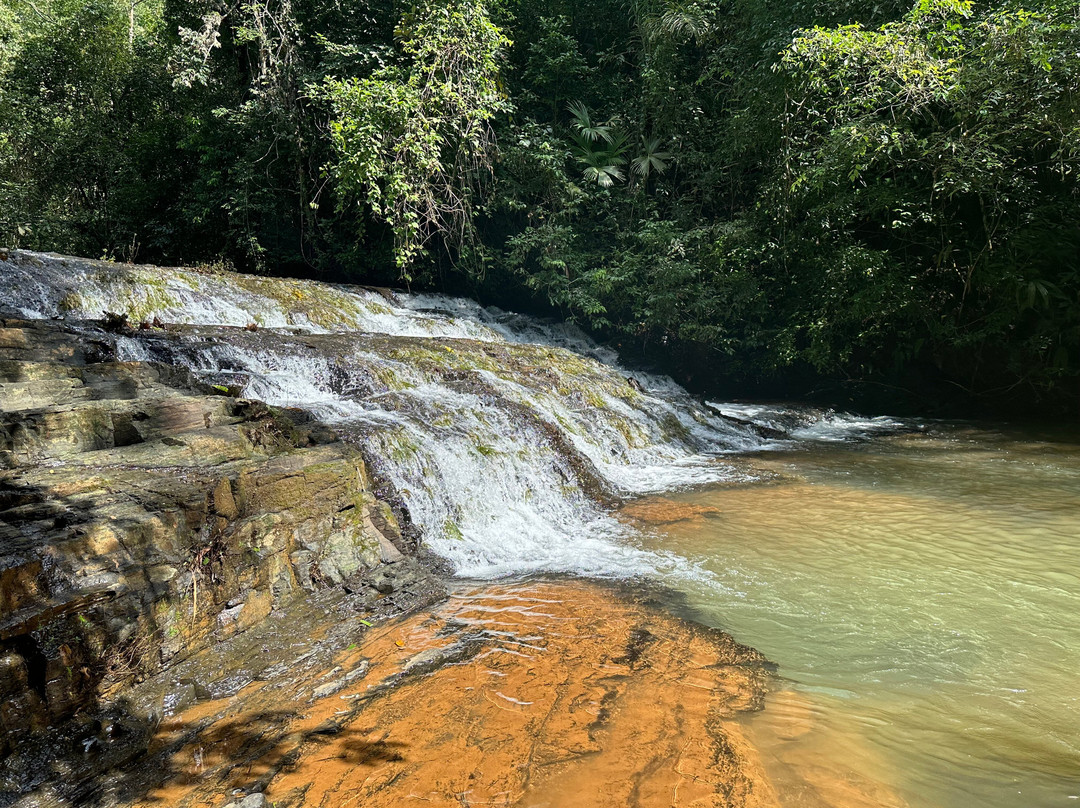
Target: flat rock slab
{"points": [[523, 694]]}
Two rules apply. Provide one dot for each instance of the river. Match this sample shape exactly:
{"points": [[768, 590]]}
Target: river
{"points": [[918, 587]]}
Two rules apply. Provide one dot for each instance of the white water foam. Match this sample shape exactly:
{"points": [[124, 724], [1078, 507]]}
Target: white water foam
{"points": [[492, 460], [45, 286], [488, 490], [807, 423]]}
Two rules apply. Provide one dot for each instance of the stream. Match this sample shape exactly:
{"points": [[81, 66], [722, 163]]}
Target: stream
{"points": [[915, 582], [919, 591]]}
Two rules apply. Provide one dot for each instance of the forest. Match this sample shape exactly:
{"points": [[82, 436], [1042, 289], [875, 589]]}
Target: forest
{"points": [[854, 200]]}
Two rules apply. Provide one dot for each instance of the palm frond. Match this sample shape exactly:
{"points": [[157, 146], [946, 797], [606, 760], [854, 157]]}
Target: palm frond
{"points": [[585, 126], [652, 159], [603, 175]]}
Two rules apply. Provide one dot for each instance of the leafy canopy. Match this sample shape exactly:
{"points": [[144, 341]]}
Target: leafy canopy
{"points": [[414, 140]]}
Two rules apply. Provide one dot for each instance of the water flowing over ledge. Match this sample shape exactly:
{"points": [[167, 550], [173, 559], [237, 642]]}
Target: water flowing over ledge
{"points": [[510, 445], [502, 436]]}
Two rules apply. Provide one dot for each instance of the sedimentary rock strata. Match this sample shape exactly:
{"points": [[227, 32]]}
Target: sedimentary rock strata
{"points": [[144, 516]]}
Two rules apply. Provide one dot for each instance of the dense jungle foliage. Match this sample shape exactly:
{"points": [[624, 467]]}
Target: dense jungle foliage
{"points": [[767, 195]]}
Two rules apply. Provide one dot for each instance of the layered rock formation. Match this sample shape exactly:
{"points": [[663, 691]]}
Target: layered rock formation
{"points": [[201, 594], [145, 515]]}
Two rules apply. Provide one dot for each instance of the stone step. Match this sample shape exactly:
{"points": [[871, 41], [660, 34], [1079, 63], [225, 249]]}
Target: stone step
{"points": [[27, 341], [26, 386], [13, 370], [206, 447], [36, 394], [63, 433]]}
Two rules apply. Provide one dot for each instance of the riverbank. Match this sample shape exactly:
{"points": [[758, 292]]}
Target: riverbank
{"points": [[146, 517]]}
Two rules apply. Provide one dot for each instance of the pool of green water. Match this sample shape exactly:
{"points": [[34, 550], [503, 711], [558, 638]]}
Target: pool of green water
{"points": [[920, 593]]}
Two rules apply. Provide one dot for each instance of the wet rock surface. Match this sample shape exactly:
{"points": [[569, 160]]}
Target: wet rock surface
{"points": [[657, 510], [521, 694], [145, 516]]}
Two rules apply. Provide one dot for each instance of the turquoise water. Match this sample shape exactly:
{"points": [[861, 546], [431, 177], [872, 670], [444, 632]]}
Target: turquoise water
{"points": [[920, 593]]}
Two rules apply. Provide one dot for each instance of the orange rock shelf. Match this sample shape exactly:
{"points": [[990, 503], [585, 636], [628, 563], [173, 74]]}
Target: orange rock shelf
{"points": [[531, 694]]}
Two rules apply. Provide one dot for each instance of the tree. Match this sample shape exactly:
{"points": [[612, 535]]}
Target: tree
{"points": [[414, 140], [66, 123], [943, 148]]}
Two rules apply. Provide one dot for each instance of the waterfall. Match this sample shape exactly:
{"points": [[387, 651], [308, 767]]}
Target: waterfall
{"points": [[504, 436]]}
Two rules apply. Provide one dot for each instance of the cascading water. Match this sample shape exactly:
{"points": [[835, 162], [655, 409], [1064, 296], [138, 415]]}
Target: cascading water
{"points": [[502, 435]]}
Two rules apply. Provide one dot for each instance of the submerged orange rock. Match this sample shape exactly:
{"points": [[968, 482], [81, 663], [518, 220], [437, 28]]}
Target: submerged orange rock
{"points": [[661, 510], [536, 694]]}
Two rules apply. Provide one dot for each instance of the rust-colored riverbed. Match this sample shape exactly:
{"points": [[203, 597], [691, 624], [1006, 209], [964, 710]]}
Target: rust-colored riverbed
{"points": [[526, 694]]}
